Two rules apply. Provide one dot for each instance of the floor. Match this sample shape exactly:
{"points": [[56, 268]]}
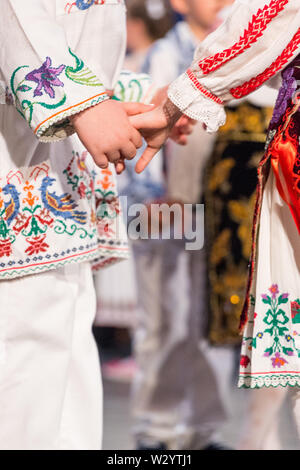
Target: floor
{"points": [[117, 420]]}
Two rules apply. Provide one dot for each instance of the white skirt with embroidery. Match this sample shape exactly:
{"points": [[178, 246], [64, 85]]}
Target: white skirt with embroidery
{"points": [[271, 344]]}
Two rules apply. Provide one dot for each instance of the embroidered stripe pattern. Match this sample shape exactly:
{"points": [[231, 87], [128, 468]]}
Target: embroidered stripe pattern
{"points": [[255, 29], [276, 66], [203, 90]]}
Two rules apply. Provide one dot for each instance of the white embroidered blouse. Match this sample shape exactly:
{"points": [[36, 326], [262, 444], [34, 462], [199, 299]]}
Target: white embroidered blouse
{"points": [[58, 57], [256, 42]]}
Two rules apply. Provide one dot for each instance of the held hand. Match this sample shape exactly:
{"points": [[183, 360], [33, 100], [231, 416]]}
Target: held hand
{"points": [[106, 132], [182, 129], [155, 126]]}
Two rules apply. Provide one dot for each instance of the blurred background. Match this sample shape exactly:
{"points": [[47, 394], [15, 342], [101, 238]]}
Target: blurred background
{"points": [[167, 319]]}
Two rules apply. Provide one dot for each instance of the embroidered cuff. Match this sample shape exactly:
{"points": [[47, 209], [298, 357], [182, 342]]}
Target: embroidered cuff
{"points": [[197, 102], [47, 96], [135, 88]]}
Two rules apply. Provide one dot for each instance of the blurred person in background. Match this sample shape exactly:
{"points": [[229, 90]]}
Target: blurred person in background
{"points": [[176, 402], [147, 21], [117, 305]]}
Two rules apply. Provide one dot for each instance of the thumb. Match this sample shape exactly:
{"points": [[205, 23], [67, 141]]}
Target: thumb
{"points": [[145, 159], [136, 108]]}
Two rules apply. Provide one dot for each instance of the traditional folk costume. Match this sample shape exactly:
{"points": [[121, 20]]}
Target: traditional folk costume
{"points": [[230, 191], [59, 216], [259, 40]]}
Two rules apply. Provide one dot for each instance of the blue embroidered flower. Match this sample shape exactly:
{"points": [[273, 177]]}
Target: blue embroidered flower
{"points": [[84, 4], [46, 78]]}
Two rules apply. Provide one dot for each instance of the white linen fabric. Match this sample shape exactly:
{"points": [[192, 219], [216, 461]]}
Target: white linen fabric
{"points": [[50, 385], [268, 358]]}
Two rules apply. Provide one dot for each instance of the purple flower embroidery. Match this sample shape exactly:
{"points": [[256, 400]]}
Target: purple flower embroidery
{"points": [[274, 290], [46, 78], [264, 296], [288, 88], [278, 361]]}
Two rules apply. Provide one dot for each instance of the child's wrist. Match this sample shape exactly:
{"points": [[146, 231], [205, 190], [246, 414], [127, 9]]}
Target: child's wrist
{"points": [[171, 112]]}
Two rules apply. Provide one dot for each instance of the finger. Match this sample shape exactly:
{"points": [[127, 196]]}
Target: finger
{"points": [[128, 151], [183, 121], [182, 140], [185, 130], [145, 159], [142, 121], [113, 156], [136, 139], [101, 161], [188, 130], [120, 167], [137, 108]]}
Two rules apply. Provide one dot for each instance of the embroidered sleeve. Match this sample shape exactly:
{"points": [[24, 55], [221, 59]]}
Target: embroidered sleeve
{"points": [[46, 81], [134, 87], [257, 41]]}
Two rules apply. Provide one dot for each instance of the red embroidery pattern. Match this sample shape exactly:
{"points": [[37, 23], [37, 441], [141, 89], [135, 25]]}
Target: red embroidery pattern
{"points": [[202, 89], [276, 66], [255, 29]]}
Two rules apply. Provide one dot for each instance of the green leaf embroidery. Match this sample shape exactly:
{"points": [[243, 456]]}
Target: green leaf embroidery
{"points": [[282, 300], [81, 74], [267, 300], [24, 88]]}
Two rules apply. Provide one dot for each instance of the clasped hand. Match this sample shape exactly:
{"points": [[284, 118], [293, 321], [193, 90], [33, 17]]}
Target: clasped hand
{"points": [[112, 131]]}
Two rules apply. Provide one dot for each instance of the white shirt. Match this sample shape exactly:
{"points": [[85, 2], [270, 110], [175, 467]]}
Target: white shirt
{"points": [[254, 44]]}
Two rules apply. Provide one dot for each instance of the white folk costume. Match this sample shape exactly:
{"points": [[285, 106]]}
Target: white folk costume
{"points": [[259, 40], [59, 215]]}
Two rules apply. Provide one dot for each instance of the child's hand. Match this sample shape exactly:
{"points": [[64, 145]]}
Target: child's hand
{"points": [[182, 129], [155, 126], [106, 132]]}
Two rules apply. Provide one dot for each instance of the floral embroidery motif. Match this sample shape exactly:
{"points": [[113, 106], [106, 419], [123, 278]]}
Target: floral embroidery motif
{"points": [[245, 361], [81, 74], [282, 343], [255, 29], [33, 213], [46, 78], [82, 4], [278, 361], [86, 4], [295, 310]]}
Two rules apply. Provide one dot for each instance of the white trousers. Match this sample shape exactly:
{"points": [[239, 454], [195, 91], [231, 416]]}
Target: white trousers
{"points": [[50, 384]]}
